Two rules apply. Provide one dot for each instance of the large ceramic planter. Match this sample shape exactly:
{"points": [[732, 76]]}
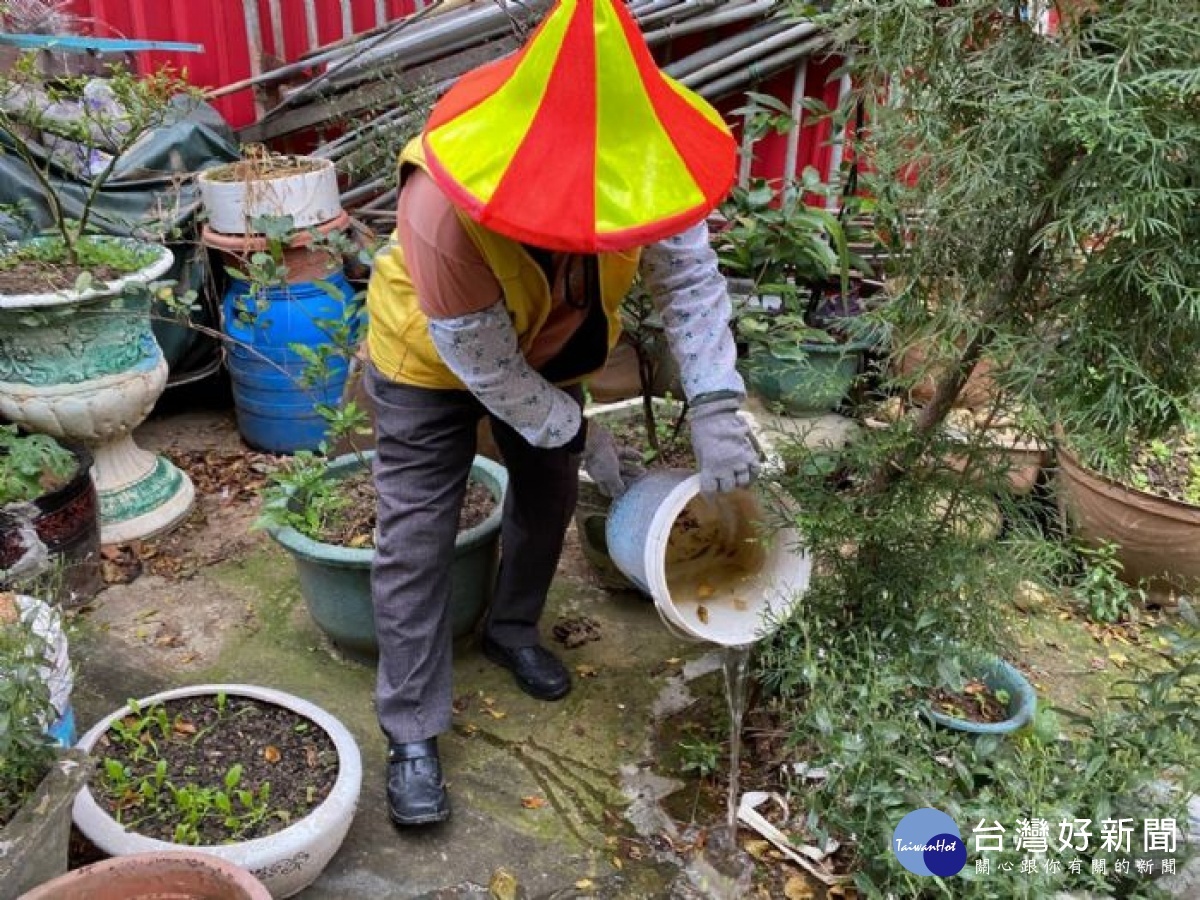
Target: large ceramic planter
{"points": [[153, 876], [34, 844], [1157, 539], [998, 675], [85, 368], [287, 861], [66, 524], [817, 380], [336, 581]]}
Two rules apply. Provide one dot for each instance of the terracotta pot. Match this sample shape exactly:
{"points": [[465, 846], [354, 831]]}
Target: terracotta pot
{"points": [[152, 876], [1020, 462], [1158, 539], [303, 262], [979, 390]]}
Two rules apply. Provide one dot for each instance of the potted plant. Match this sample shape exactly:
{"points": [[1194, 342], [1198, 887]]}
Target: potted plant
{"points": [[323, 513], [40, 778], [49, 518], [182, 874], [798, 319], [1144, 501], [264, 184], [290, 316], [77, 357], [255, 776], [990, 697]]}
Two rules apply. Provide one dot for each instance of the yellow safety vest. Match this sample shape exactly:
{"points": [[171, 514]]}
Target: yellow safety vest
{"points": [[398, 337]]}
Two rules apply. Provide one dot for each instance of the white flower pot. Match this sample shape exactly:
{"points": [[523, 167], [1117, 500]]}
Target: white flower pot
{"points": [[287, 861], [309, 197], [85, 367]]}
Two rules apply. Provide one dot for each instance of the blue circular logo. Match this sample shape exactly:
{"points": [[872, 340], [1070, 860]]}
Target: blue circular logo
{"points": [[927, 842]]}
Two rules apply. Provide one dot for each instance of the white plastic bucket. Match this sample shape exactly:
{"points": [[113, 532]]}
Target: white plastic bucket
{"points": [[717, 569], [310, 198]]}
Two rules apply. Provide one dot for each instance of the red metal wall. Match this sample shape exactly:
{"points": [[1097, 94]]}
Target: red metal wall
{"points": [[221, 27]]}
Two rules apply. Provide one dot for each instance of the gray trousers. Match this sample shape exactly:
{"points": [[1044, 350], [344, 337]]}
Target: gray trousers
{"points": [[425, 442]]}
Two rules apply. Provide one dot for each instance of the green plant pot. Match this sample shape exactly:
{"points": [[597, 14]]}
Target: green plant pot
{"points": [[814, 384], [998, 676], [336, 581]]}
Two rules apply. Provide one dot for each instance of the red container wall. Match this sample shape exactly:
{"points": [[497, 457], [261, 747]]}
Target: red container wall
{"points": [[220, 26]]}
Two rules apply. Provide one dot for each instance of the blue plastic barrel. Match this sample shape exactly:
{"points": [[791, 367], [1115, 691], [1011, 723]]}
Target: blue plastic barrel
{"points": [[276, 408]]}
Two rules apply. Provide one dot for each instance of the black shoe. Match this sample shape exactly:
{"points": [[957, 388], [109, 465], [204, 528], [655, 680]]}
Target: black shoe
{"points": [[415, 788], [537, 670]]}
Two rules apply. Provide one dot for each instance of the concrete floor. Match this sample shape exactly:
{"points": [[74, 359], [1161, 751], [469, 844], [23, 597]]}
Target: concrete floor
{"points": [[549, 795]]}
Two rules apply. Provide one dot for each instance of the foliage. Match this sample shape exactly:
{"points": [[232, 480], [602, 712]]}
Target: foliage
{"points": [[1038, 195], [300, 495], [29, 464], [25, 712], [83, 124], [1101, 591], [846, 693]]}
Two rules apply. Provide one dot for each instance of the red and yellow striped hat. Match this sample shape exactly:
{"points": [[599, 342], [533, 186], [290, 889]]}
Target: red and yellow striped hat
{"points": [[577, 142]]}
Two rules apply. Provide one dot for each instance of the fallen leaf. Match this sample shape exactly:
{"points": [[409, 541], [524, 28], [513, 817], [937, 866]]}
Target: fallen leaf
{"points": [[584, 884], [1120, 660], [360, 540], [183, 726], [494, 713], [585, 671], [702, 613], [310, 757], [704, 591], [798, 888], [758, 849], [271, 754], [617, 864], [533, 802]]}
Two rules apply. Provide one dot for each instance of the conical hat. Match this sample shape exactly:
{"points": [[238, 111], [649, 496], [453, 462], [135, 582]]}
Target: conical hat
{"points": [[578, 142]]}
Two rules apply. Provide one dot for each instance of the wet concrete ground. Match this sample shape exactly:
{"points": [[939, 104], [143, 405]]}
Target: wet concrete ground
{"points": [[549, 795]]}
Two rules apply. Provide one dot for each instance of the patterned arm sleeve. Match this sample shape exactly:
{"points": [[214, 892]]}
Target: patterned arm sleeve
{"points": [[481, 349], [690, 294]]}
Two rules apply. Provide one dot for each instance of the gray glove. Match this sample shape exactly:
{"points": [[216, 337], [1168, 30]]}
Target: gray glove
{"points": [[610, 466], [726, 456]]}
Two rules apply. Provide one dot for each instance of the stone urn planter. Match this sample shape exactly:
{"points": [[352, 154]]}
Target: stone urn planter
{"points": [[85, 368], [286, 861], [1157, 538], [34, 844], [151, 876], [336, 581]]}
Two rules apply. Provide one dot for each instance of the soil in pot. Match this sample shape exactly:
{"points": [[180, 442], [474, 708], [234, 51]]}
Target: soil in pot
{"points": [[1169, 468], [976, 702], [43, 266], [354, 525], [212, 769], [262, 167]]}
